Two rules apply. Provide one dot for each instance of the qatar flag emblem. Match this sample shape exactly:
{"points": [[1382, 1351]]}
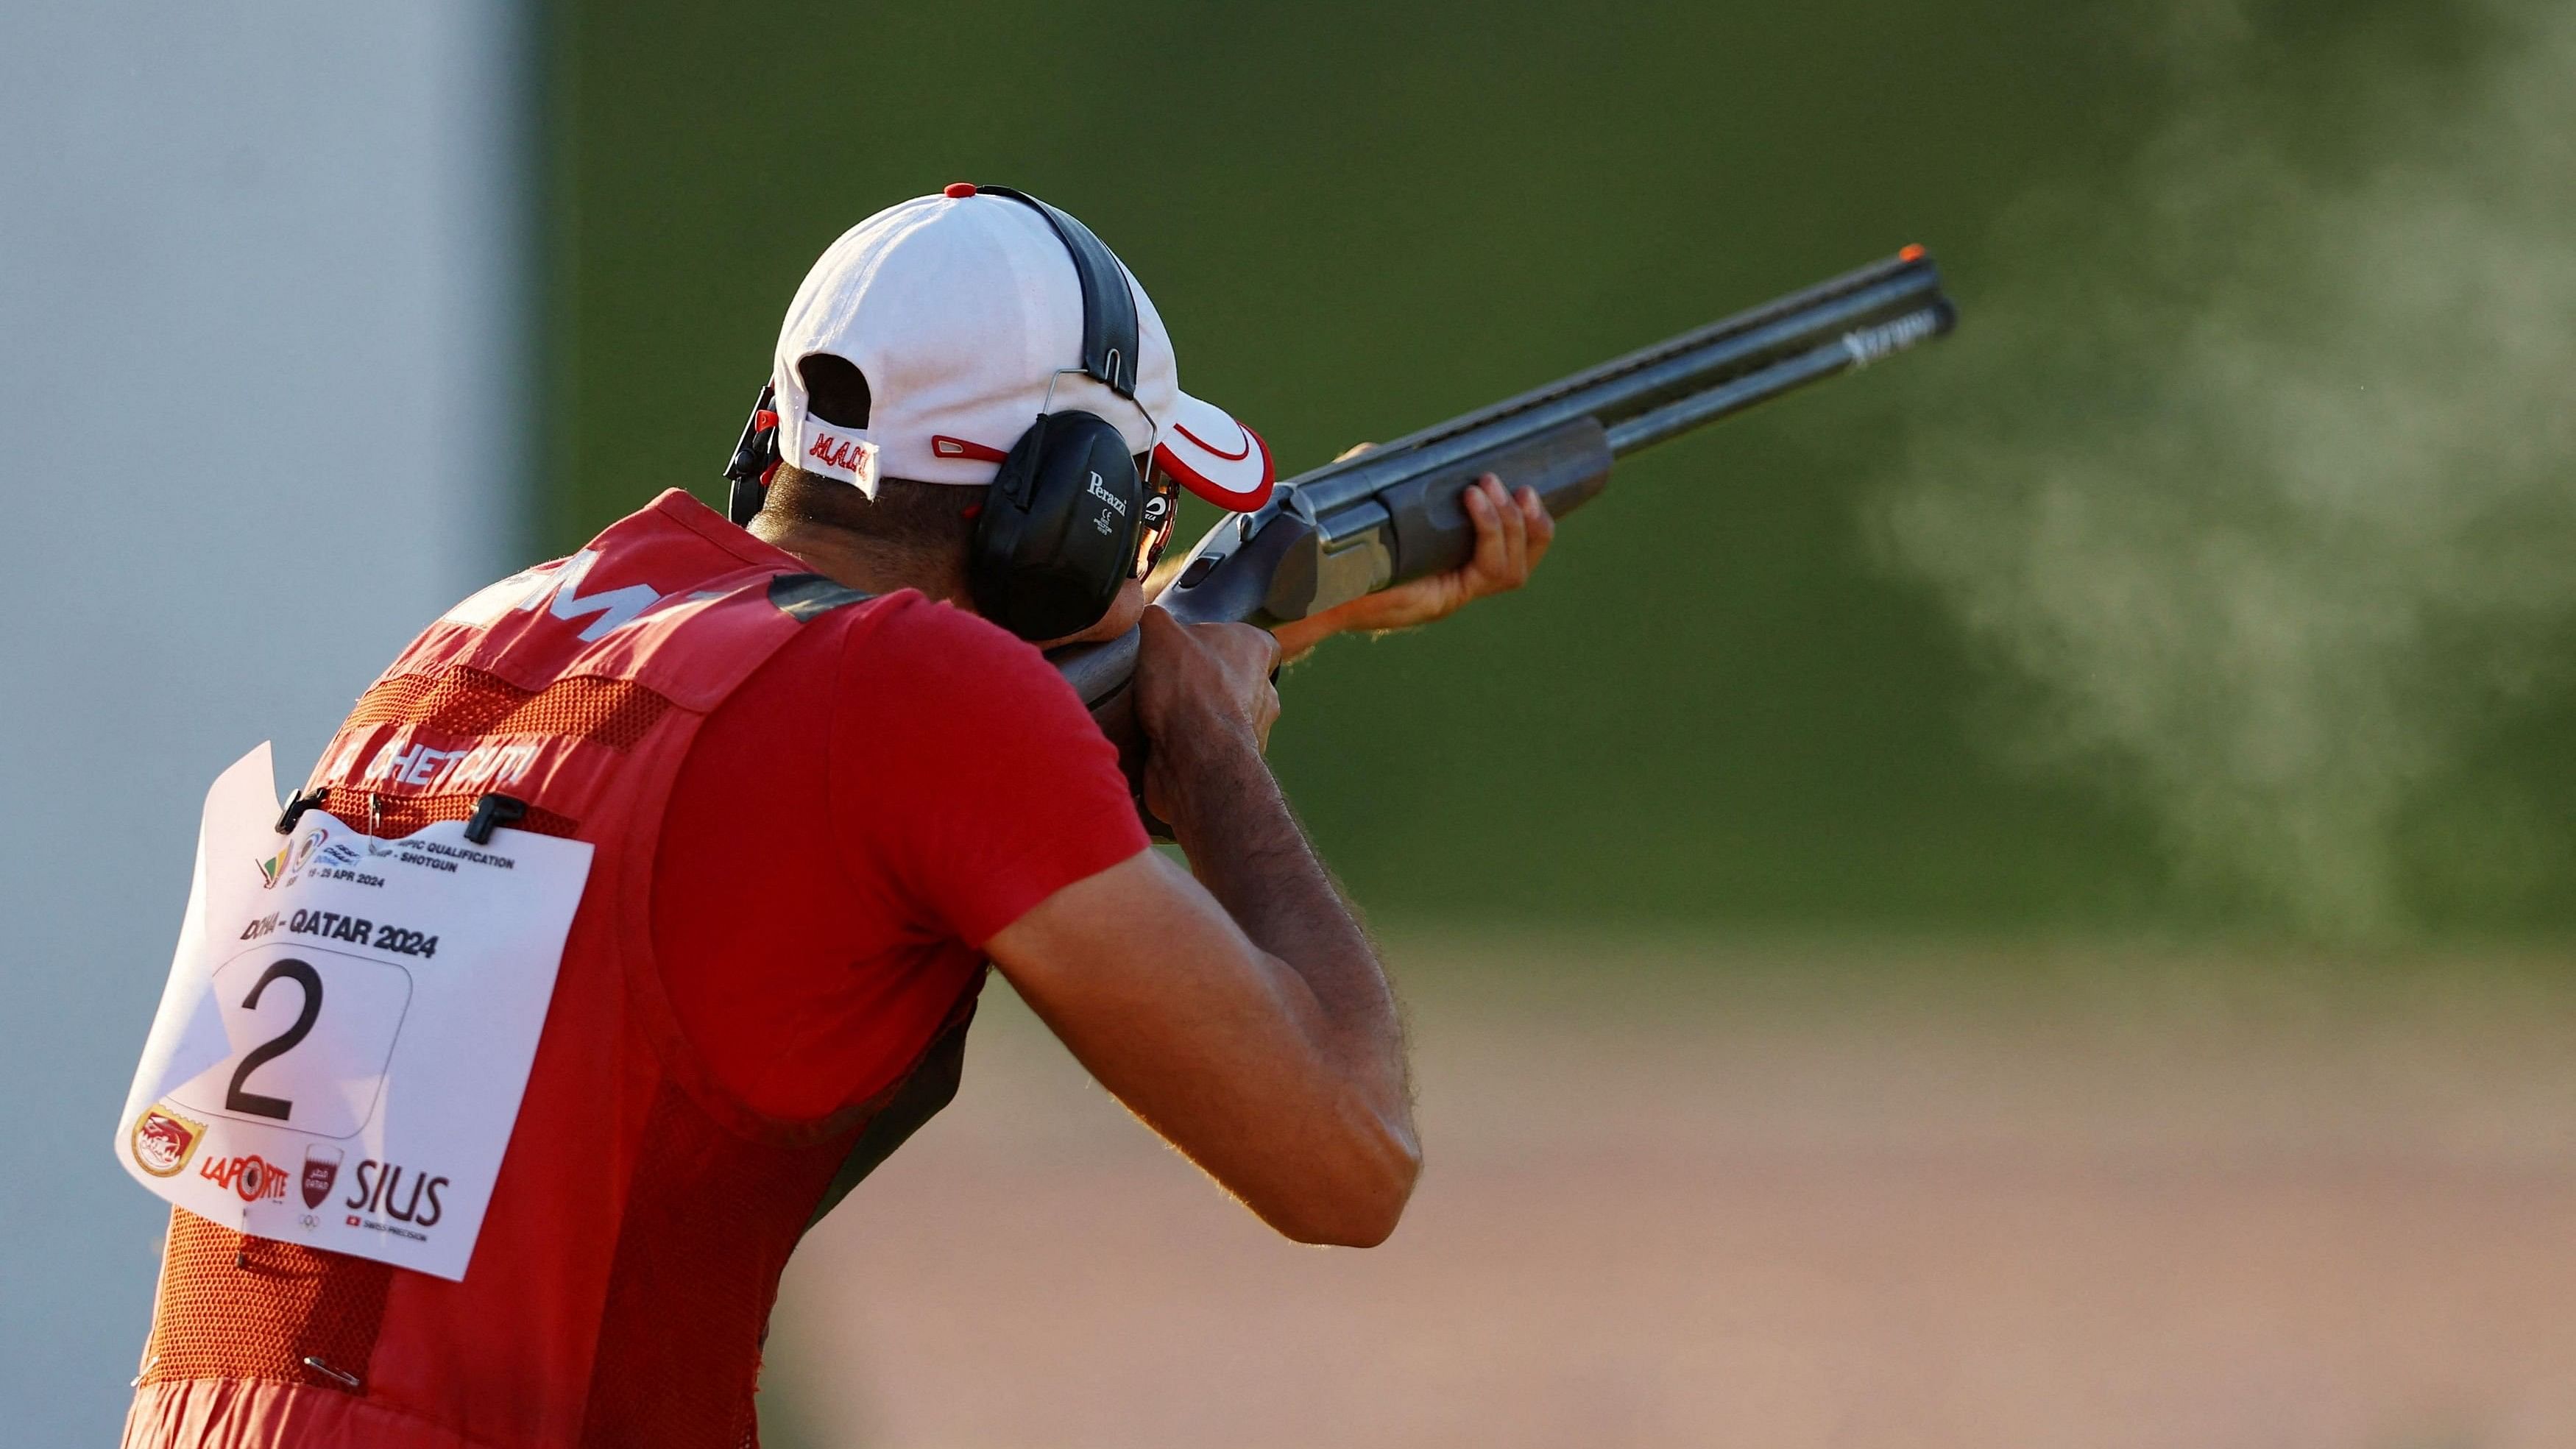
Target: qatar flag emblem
{"points": [[321, 1169]]}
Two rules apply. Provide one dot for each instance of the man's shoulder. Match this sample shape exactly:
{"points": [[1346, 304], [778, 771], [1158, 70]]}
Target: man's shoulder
{"points": [[910, 651], [908, 616], [906, 636]]}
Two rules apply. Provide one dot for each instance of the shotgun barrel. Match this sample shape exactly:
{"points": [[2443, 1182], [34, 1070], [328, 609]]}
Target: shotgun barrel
{"points": [[1392, 514]]}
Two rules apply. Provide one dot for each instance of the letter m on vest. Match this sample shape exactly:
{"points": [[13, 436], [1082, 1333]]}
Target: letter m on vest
{"points": [[615, 607]]}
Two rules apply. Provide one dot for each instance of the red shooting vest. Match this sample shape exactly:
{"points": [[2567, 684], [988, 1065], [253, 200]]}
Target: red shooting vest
{"points": [[621, 1287]]}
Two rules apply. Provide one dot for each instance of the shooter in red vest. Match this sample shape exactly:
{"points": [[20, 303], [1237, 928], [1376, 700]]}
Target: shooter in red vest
{"points": [[824, 775]]}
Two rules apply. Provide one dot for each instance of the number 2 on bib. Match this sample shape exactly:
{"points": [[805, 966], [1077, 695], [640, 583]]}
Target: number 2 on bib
{"points": [[294, 1060], [236, 1097]]}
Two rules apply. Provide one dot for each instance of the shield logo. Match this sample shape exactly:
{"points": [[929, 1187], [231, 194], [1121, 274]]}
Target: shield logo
{"points": [[321, 1169], [163, 1141]]}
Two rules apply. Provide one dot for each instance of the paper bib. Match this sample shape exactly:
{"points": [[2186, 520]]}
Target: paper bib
{"points": [[348, 1028]]}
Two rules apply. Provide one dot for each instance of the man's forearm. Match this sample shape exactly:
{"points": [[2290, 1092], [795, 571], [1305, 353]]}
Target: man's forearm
{"points": [[1248, 850]]}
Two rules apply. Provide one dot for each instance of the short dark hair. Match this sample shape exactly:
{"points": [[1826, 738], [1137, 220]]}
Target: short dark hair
{"points": [[919, 517]]}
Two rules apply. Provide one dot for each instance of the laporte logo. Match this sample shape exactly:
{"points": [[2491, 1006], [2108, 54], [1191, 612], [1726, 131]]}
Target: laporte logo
{"points": [[252, 1176], [404, 1194], [163, 1141]]}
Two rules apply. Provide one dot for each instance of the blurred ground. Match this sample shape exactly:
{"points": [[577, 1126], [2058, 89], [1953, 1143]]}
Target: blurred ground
{"points": [[1780, 1196]]}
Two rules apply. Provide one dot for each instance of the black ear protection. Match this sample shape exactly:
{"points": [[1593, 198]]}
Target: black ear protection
{"points": [[1068, 519], [1058, 534]]}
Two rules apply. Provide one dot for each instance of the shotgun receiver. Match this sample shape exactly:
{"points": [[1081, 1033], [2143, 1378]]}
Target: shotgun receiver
{"points": [[1392, 514]]}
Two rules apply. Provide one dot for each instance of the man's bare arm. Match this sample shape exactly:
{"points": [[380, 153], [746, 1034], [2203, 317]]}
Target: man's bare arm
{"points": [[1243, 1014]]}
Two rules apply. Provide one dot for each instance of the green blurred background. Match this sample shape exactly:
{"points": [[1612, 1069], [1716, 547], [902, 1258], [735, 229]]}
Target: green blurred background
{"points": [[1720, 703]]}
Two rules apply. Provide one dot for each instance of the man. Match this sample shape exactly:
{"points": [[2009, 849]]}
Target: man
{"points": [[821, 794]]}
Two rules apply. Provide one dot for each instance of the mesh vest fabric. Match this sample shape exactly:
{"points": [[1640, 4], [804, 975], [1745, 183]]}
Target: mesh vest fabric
{"points": [[622, 1283]]}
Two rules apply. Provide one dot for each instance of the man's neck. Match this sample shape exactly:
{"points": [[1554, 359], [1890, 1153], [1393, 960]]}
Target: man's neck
{"points": [[863, 563]]}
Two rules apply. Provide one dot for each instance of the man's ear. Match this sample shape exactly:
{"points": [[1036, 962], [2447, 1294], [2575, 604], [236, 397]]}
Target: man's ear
{"points": [[835, 391]]}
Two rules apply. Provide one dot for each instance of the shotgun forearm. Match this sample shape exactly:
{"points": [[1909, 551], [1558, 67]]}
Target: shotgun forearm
{"points": [[1392, 514]]}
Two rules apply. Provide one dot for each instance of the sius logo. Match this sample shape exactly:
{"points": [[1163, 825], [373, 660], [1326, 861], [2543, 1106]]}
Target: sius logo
{"points": [[380, 1187], [1101, 491]]}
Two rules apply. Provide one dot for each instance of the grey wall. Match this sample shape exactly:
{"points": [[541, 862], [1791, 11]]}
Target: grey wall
{"points": [[261, 275]]}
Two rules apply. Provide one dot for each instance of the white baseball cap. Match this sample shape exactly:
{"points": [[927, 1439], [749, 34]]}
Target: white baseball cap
{"points": [[961, 311]]}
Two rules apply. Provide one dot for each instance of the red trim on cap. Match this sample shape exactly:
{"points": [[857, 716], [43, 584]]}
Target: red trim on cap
{"points": [[958, 189], [763, 420], [1213, 491], [1237, 456], [944, 446]]}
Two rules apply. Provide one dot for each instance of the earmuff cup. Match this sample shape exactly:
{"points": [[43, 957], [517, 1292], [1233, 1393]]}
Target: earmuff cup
{"points": [[1058, 535]]}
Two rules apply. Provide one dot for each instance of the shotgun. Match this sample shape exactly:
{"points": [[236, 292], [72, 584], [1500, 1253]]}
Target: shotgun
{"points": [[1392, 514]]}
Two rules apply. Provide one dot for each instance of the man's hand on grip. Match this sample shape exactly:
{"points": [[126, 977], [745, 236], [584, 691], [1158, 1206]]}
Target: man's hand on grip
{"points": [[1203, 693]]}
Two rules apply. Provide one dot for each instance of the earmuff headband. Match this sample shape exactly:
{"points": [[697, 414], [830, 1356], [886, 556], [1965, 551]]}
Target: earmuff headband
{"points": [[1108, 308]]}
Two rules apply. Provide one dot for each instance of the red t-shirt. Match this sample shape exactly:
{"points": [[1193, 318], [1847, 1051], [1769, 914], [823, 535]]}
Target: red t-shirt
{"points": [[898, 783]]}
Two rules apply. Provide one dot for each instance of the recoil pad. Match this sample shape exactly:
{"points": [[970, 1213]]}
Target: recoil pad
{"points": [[1058, 535]]}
